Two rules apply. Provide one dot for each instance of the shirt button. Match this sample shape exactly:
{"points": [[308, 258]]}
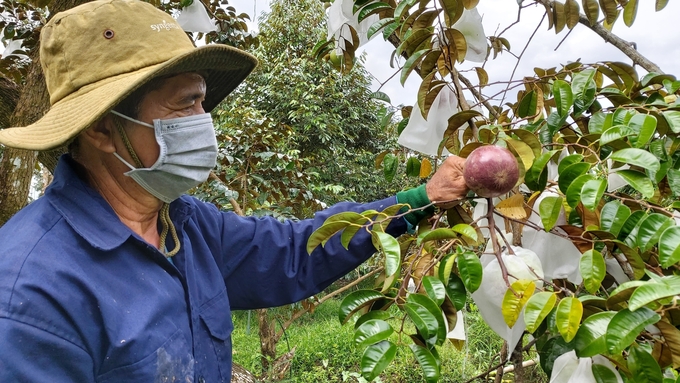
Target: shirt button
{"points": [[201, 379]]}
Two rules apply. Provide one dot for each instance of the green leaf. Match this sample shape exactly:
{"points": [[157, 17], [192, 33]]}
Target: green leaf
{"points": [[551, 350], [568, 317], [382, 96], [626, 325], [629, 12], [372, 331], [669, 246], [549, 209], [568, 161], [592, 192], [389, 246], [323, 233], [639, 181], [571, 173], [673, 177], [645, 126], [639, 157], [428, 362], [455, 289], [427, 323], [372, 9], [527, 106], [593, 269], [413, 167], [411, 64], [470, 269], [537, 309], [445, 266], [435, 289], [574, 190], [376, 358], [563, 97], [654, 291], [390, 163], [536, 177], [513, 302], [673, 119], [448, 233], [616, 132], [377, 26], [354, 301], [603, 374], [613, 215], [584, 89], [402, 7], [650, 230], [590, 340], [643, 366], [377, 314]]}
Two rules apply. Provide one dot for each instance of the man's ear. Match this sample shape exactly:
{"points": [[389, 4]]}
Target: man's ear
{"points": [[100, 135]]}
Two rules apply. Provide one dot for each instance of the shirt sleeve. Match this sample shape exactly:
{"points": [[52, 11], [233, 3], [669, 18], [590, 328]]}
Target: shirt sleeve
{"points": [[265, 262], [39, 356]]}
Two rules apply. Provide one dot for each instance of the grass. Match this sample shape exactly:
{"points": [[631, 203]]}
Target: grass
{"points": [[326, 351]]}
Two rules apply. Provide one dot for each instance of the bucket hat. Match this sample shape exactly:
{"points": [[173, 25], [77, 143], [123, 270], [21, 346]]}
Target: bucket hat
{"points": [[95, 55]]}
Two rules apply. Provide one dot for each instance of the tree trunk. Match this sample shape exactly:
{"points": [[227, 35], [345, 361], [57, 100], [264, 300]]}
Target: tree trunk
{"points": [[241, 375], [268, 340], [16, 166]]}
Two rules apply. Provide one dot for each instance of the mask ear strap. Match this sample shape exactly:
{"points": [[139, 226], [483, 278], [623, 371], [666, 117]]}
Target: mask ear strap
{"points": [[127, 143], [121, 115]]}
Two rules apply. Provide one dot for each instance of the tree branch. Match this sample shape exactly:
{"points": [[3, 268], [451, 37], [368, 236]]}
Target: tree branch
{"points": [[624, 46]]}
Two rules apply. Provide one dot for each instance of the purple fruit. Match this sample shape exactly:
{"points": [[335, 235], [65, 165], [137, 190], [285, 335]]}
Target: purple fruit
{"points": [[491, 171]]}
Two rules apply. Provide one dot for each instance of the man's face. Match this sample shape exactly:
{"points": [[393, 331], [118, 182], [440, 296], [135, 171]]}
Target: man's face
{"points": [[178, 96]]}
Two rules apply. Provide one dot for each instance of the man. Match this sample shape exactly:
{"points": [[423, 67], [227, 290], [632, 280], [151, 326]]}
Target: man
{"points": [[114, 275]]}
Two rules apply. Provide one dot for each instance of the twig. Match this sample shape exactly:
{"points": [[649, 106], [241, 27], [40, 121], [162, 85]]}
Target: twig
{"points": [[624, 46]]}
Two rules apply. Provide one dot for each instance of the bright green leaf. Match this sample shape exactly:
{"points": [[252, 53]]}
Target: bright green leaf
{"points": [[645, 126], [537, 309], [568, 317], [613, 215], [673, 119], [549, 210], [650, 230], [592, 192], [639, 181], [654, 291], [573, 192], [569, 174], [669, 246], [638, 157], [515, 298], [593, 269], [470, 269], [626, 325], [563, 97], [389, 246], [590, 340]]}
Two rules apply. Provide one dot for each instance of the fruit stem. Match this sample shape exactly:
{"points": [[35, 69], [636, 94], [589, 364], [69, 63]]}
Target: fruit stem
{"points": [[494, 239]]}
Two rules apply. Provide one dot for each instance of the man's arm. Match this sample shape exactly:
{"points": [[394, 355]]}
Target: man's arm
{"points": [[31, 354]]}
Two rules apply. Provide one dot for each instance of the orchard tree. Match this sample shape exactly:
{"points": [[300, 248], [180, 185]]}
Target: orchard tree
{"points": [[582, 252]]}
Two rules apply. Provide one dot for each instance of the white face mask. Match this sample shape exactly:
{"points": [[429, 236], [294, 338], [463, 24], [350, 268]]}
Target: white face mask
{"points": [[188, 152]]}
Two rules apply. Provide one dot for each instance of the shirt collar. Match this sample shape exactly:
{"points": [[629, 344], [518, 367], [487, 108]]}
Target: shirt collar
{"points": [[88, 213]]}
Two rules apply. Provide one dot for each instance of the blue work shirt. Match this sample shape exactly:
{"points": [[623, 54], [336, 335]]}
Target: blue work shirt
{"points": [[85, 299]]}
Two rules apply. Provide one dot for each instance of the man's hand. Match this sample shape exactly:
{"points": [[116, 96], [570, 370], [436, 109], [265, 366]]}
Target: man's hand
{"points": [[447, 186]]}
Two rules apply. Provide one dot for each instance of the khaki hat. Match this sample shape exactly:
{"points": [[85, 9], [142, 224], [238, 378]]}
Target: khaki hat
{"points": [[98, 53]]}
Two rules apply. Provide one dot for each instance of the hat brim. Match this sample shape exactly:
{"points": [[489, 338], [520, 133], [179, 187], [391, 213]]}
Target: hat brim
{"points": [[226, 67]]}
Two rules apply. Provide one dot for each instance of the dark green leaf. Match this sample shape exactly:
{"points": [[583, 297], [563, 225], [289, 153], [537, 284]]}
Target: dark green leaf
{"points": [[527, 106], [592, 192], [669, 246], [643, 366], [428, 362], [372, 331], [650, 230], [613, 215], [435, 289], [390, 163], [355, 301], [572, 172], [376, 358], [455, 289], [603, 374], [377, 314]]}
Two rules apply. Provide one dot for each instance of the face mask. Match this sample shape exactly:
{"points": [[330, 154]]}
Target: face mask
{"points": [[188, 152]]}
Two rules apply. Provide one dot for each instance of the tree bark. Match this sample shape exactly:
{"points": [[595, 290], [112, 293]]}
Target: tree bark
{"points": [[16, 165]]}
